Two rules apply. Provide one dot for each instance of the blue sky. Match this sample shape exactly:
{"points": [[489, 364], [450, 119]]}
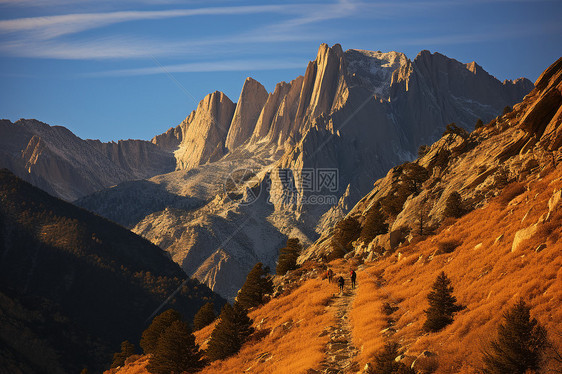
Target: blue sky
{"points": [[124, 69]]}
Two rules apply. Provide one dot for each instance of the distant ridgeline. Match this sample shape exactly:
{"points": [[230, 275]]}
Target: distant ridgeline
{"points": [[74, 285]]}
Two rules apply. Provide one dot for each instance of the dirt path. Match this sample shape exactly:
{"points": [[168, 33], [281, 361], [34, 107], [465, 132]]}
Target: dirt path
{"points": [[340, 351]]}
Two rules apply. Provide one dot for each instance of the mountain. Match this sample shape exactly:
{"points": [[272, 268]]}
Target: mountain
{"points": [[56, 160], [286, 163], [74, 285], [513, 148], [503, 249], [250, 174]]}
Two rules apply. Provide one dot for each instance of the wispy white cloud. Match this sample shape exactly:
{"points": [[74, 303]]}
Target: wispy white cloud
{"points": [[49, 27], [209, 66], [43, 37]]}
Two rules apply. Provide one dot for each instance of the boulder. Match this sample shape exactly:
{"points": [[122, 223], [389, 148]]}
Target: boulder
{"points": [[521, 236], [425, 363], [554, 201]]}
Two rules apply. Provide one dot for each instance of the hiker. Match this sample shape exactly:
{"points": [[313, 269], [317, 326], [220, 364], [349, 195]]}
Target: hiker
{"points": [[341, 282], [353, 277], [330, 274]]}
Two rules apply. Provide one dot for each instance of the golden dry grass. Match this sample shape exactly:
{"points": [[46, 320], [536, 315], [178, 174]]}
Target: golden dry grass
{"points": [[135, 367], [487, 277], [283, 349], [367, 318], [292, 350]]}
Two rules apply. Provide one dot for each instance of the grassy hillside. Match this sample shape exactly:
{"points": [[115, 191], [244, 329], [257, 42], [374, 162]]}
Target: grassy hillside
{"points": [[504, 246], [83, 283], [487, 277]]}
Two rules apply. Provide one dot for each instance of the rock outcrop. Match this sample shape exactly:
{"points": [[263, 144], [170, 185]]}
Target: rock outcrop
{"points": [[140, 158], [248, 109], [513, 147], [56, 160], [206, 130], [354, 114]]}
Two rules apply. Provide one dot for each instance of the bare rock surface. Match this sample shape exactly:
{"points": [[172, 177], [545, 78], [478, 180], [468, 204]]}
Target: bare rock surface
{"points": [[357, 113], [248, 109]]}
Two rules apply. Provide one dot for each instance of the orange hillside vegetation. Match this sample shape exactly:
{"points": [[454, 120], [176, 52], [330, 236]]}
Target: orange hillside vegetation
{"points": [[287, 337], [290, 328], [487, 277]]}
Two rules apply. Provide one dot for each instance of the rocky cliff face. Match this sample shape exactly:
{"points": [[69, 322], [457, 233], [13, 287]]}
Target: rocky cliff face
{"points": [[54, 159], [140, 158], [356, 113], [511, 150], [205, 131], [248, 109]]}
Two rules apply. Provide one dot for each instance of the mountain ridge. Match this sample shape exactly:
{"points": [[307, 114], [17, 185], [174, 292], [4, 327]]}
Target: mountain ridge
{"points": [[503, 248], [331, 118], [82, 283]]}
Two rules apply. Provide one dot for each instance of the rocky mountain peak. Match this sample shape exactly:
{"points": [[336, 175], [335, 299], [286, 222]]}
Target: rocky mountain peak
{"points": [[353, 110], [374, 70], [205, 136], [248, 109]]}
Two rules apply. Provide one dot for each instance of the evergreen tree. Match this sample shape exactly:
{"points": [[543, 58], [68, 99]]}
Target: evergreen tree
{"points": [[506, 110], [204, 317], [176, 351], [422, 150], [442, 304], [257, 284], [423, 217], [288, 256], [160, 323], [520, 343], [479, 124], [454, 206], [384, 361], [232, 330], [452, 128], [374, 224], [345, 232], [393, 203], [127, 350], [413, 176]]}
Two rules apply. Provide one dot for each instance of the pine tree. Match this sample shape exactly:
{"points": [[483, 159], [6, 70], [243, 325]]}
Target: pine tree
{"points": [[478, 124], [204, 317], [127, 350], [345, 232], [452, 128], [422, 150], [288, 256], [442, 304], [423, 217], [413, 176], [506, 110], [520, 343], [257, 284], [454, 206], [160, 323], [176, 351], [384, 361], [393, 203], [374, 224], [232, 330]]}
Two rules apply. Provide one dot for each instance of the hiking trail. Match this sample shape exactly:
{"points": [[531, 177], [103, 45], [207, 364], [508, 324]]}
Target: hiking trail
{"points": [[340, 351]]}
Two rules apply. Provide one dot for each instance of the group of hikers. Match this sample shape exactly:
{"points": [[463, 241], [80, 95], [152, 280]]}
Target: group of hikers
{"points": [[341, 281]]}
